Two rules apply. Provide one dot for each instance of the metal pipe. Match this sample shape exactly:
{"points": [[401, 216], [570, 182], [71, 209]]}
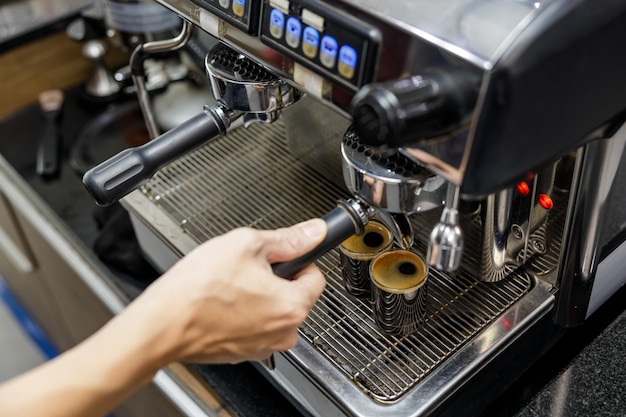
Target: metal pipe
{"points": [[137, 59]]}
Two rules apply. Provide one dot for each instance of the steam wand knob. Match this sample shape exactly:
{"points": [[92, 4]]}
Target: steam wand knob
{"points": [[446, 240], [410, 110]]}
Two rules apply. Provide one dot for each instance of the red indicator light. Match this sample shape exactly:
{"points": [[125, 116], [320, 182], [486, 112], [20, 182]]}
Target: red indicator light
{"points": [[530, 176], [523, 188], [545, 201]]}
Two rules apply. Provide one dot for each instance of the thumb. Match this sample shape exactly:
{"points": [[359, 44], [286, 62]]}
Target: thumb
{"points": [[290, 242]]}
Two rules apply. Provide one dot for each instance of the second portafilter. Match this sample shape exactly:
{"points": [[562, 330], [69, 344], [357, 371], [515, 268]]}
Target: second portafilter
{"points": [[240, 86]]}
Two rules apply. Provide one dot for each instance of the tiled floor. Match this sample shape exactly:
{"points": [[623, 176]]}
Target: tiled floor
{"points": [[18, 353]]}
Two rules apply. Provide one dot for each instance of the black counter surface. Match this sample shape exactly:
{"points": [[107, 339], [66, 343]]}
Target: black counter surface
{"points": [[583, 374]]}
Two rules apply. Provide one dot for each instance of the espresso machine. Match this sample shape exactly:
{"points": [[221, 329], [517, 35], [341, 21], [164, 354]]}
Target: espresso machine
{"points": [[488, 135]]}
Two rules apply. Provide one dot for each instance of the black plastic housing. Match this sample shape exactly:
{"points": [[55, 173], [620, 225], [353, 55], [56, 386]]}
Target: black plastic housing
{"points": [[560, 81]]}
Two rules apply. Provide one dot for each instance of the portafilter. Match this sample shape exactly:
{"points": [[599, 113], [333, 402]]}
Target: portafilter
{"points": [[240, 86]]}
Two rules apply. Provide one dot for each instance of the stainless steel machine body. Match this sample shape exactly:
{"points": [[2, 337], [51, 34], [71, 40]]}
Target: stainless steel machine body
{"points": [[541, 224]]}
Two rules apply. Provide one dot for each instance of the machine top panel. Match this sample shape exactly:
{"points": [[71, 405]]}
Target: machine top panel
{"points": [[478, 30]]}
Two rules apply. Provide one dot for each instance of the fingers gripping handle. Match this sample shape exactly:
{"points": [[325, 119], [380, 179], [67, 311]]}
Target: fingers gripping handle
{"points": [[133, 167], [345, 220]]}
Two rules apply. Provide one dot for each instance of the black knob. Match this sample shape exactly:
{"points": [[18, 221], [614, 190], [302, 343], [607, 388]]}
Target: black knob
{"points": [[416, 108]]}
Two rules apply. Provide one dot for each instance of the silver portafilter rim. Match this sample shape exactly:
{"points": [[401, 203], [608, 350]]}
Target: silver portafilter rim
{"points": [[389, 180], [242, 88], [240, 84]]}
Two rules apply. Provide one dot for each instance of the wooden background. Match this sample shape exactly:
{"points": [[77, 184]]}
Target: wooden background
{"points": [[51, 62]]}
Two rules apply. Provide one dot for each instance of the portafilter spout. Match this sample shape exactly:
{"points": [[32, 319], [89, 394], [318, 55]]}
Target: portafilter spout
{"points": [[241, 87]]}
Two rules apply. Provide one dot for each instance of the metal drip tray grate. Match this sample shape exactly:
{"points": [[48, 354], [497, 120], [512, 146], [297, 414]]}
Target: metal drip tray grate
{"points": [[249, 178]]}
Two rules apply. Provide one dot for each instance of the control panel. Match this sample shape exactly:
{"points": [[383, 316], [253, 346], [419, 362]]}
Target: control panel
{"points": [[243, 14], [323, 39]]}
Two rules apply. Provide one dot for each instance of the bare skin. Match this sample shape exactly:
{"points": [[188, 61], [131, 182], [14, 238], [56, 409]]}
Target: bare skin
{"points": [[219, 304]]}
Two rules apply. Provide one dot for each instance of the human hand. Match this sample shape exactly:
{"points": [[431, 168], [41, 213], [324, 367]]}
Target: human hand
{"points": [[222, 302]]}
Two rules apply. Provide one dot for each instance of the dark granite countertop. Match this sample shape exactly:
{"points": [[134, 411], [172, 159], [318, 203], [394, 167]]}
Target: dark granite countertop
{"points": [[592, 384]]}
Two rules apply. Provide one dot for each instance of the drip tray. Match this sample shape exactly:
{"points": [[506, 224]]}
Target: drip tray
{"points": [[249, 178]]}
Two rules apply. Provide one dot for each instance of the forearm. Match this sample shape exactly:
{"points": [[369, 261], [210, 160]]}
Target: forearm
{"points": [[222, 303], [90, 379]]}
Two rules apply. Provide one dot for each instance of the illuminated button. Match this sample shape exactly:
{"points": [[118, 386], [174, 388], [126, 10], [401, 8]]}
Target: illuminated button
{"points": [[545, 201], [277, 23], [293, 33], [310, 42], [523, 189], [328, 51], [347, 61], [239, 7], [225, 3]]}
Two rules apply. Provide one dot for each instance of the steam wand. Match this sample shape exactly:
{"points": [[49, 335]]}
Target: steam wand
{"points": [[446, 239]]}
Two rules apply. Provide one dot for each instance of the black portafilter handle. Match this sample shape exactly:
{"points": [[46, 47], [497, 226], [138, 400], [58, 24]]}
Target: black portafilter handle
{"points": [[417, 108], [49, 150], [347, 219], [133, 167]]}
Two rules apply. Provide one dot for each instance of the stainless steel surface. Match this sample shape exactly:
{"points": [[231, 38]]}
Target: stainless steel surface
{"points": [[600, 162], [252, 180], [400, 226], [143, 96], [240, 84], [477, 30], [446, 239], [389, 181]]}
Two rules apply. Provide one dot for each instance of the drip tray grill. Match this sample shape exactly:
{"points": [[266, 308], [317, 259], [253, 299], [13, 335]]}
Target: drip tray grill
{"points": [[249, 178]]}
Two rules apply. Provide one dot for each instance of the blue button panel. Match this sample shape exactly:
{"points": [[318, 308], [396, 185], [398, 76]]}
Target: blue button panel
{"points": [[294, 32], [277, 23], [310, 42], [334, 46], [328, 51]]}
